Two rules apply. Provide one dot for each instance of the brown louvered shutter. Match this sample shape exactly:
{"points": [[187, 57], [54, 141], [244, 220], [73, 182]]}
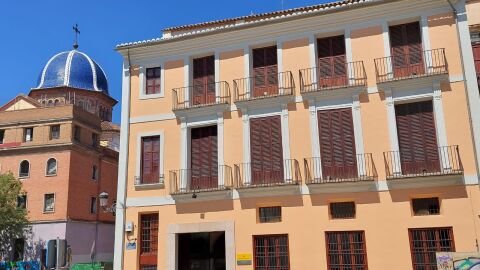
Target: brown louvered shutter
{"points": [[417, 138], [150, 159], [476, 59], [332, 63], [203, 80], [337, 144], [266, 150], [204, 158], [153, 84], [407, 55], [265, 71]]}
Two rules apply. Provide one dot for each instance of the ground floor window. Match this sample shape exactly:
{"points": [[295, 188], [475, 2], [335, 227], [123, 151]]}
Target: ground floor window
{"points": [[148, 241], [425, 242], [346, 250], [271, 252]]}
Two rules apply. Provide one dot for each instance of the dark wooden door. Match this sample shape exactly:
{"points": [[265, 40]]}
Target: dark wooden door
{"points": [[332, 63], [204, 158], [266, 150], [417, 138], [150, 159], [203, 81], [337, 144], [407, 55], [265, 71]]}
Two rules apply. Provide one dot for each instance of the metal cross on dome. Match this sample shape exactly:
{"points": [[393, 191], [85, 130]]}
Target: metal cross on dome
{"points": [[77, 32]]}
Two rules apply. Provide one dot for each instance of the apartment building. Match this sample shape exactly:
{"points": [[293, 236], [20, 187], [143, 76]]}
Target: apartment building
{"points": [[336, 136], [50, 140]]}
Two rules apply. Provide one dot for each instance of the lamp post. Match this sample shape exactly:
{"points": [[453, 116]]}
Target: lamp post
{"points": [[103, 197]]}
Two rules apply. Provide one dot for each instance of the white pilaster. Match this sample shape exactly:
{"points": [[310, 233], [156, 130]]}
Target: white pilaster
{"points": [[122, 170], [426, 41], [440, 125], [286, 141], [217, 75], [392, 128], [313, 57], [315, 139], [186, 78], [386, 46], [246, 145], [220, 144], [280, 65], [183, 153], [247, 67], [358, 133]]}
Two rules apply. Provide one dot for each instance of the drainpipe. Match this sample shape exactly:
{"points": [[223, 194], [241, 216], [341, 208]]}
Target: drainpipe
{"points": [[122, 168], [455, 14]]}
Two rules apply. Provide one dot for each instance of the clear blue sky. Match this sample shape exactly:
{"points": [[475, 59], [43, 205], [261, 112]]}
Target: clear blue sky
{"points": [[33, 31]]}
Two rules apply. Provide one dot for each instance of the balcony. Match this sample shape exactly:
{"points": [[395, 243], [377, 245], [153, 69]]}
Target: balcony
{"points": [[263, 91], [333, 78], [257, 179], [354, 175], [202, 184], [201, 99], [149, 181], [416, 169], [402, 66]]}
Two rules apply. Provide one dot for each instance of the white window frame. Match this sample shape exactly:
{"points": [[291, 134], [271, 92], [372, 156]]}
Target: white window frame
{"points": [[56, 167], [45, 203], [25, 134], [138, 159], [142, 78]]}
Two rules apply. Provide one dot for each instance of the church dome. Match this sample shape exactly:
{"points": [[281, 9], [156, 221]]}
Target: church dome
{"points": [[73, 69]]}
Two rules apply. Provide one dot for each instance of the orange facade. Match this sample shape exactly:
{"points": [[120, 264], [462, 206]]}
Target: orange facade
{"points": [[368, 82]]}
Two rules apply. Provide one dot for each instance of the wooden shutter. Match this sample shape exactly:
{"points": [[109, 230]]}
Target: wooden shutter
{"points": [[265, 71], [406, 46], [337, 144], [204, 158], [148, 239], [332, 63], [203, 80], [266, 150], [153, 81], [417, 138], [150, 159], [476, 59]]}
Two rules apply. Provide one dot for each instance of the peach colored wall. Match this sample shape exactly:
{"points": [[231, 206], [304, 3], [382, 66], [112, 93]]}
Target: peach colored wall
{"points": [[385, 250], [473, 12]]}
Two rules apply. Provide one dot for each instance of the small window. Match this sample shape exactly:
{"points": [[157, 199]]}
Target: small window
{"points": [[94, 172], [22, 201], [426, 206], [94, 140], [270, 214], [77, 133], [28, 134], [2, 136], [51, 167], [49, 203], [54, 132], [93, 205], [24, 170], [152, 81], [341, 210]]}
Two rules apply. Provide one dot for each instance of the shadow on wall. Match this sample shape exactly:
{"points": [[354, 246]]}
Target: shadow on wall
{"points": [[204, 206], [357, 197], [450, 192]]}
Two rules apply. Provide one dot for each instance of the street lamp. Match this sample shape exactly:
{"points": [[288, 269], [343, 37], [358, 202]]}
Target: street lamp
{"points": [[103, 197]]}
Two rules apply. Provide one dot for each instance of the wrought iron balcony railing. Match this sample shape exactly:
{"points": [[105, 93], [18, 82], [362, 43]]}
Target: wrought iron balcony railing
{"points": [[445, 160], [358, 168], [149, 179], [250, 175], [186, 181], [401, 66], [332, 75], [273, 85], [201, 95]]}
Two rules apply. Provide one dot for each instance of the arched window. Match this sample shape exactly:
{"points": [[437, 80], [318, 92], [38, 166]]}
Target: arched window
{"points": [[52, 166], [24, 169]]}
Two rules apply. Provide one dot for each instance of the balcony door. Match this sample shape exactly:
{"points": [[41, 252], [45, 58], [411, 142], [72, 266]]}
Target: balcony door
{"points": [[266, 150], [337, 144], [332, 63], [265, 71], [417, 138], [150, 160], [203, 91], [407, 55], [204, 158]]}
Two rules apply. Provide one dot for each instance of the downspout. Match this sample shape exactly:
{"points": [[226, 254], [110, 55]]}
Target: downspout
{"points": [[122, 168], [455, 15]]}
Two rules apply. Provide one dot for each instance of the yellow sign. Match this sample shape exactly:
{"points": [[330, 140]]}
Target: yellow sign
{"points": [[244, 257]]}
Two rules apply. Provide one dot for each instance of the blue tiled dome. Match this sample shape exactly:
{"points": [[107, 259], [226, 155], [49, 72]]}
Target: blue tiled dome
{"points": [[73, 69]]}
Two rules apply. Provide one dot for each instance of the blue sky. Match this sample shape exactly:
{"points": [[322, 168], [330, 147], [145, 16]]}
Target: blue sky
{"points": [[33, 31]]}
